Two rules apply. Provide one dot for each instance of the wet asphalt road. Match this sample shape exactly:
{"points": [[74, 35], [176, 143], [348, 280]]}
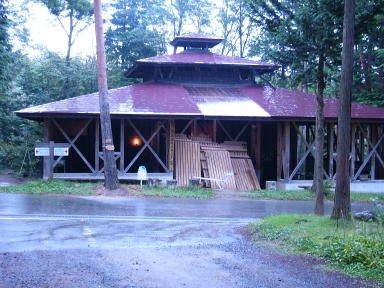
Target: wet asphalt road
{"points": [[55, 241]]}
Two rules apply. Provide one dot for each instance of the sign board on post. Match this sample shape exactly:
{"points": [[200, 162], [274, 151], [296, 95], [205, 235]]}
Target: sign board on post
{"points": [[142, 174], [60, 149]]}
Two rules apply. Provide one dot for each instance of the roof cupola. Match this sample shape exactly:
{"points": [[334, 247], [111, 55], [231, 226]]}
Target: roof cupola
{"points": [[195, 41]]}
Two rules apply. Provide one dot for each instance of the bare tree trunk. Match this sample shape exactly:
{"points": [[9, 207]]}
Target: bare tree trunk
{"points": [[110, 171], [342, 206], [70, 35], [318, 183]]}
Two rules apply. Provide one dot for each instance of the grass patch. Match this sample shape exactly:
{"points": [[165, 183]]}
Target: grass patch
{"points": [[175, 192], [281, 195], [355, 248], [308, 195], [51, 187]]}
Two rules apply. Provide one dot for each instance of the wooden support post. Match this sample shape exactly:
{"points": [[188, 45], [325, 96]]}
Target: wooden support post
{"points": [[47, 136], [279, 145], [171, 145], [353, 151], [51, 158], [214, 132], [255, 138], [330, 141], [287, 150], [373, 160], [122, 145], [97, 145]]}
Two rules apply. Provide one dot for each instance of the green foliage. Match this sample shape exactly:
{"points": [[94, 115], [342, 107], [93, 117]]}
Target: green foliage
{"points": [[34, 82], [133, 35], [295, 34], [178, 192], [80, 9], [309, 195], [282, 195], [51, 187], [354, 247]]}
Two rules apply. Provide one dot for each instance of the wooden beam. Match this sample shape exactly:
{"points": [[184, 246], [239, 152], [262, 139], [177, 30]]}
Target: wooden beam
{"points": [[368, 157], [47, 138], [241, 131], [146, 145], [330, 135], [214, 136], [287, 150], [279, 151], [230, 138], [373, 129], [122, 145], [72, 142], [97, 145], [186, 126], [51, 158], [171, 145], [307, 145], [353, 151]]}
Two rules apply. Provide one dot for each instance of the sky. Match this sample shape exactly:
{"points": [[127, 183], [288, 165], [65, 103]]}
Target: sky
{"points": [[46, 32]]}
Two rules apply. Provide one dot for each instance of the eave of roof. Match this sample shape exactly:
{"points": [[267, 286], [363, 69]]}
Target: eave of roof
{"points": [[175, 100], [199, 58]]}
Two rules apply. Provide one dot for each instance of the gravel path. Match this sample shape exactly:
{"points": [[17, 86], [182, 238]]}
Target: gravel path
{"points": [[239, 264]]}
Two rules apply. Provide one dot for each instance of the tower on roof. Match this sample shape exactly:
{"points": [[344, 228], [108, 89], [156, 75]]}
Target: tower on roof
{"points": [[195, 41]]}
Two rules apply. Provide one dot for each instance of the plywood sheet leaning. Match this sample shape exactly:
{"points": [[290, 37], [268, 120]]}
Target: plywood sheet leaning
{"points": [[245, 176], [219, 165], [187, 158]]}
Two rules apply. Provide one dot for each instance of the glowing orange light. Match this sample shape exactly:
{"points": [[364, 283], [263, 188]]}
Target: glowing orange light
{"points": [[135, 141]]}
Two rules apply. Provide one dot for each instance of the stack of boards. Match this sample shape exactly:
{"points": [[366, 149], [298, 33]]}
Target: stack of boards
{"points": [[198, 156]]}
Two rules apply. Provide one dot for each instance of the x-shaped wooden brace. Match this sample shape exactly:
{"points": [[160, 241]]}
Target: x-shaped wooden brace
{"points": [[146, 145], [373, 151], [116, 156], [72, 143], [309, 150], [238, 134]]}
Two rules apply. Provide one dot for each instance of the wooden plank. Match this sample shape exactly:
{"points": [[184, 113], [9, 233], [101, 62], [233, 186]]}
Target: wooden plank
{"points": [[171, 145], [188, 163], [219, 165]]}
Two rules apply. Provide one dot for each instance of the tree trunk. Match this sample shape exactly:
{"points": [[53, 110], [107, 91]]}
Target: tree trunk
{"points": [[318, 184], [70, 35], [110, 171], [342, 206]]}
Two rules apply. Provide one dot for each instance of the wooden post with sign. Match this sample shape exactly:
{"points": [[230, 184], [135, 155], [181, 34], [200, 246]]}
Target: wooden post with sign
{"points": [[49, 151]]}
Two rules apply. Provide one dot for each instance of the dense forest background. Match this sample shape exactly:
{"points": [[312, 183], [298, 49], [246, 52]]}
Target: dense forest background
{"points": [[298, 35]]}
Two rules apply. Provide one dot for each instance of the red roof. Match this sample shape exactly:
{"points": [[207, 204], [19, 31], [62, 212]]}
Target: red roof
{"points": [[193, 39], [201, 101], [201, 57], [187, 57]]}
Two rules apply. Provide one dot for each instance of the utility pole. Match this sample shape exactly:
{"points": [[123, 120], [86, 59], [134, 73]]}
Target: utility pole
{"points": [[110, 171]]}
